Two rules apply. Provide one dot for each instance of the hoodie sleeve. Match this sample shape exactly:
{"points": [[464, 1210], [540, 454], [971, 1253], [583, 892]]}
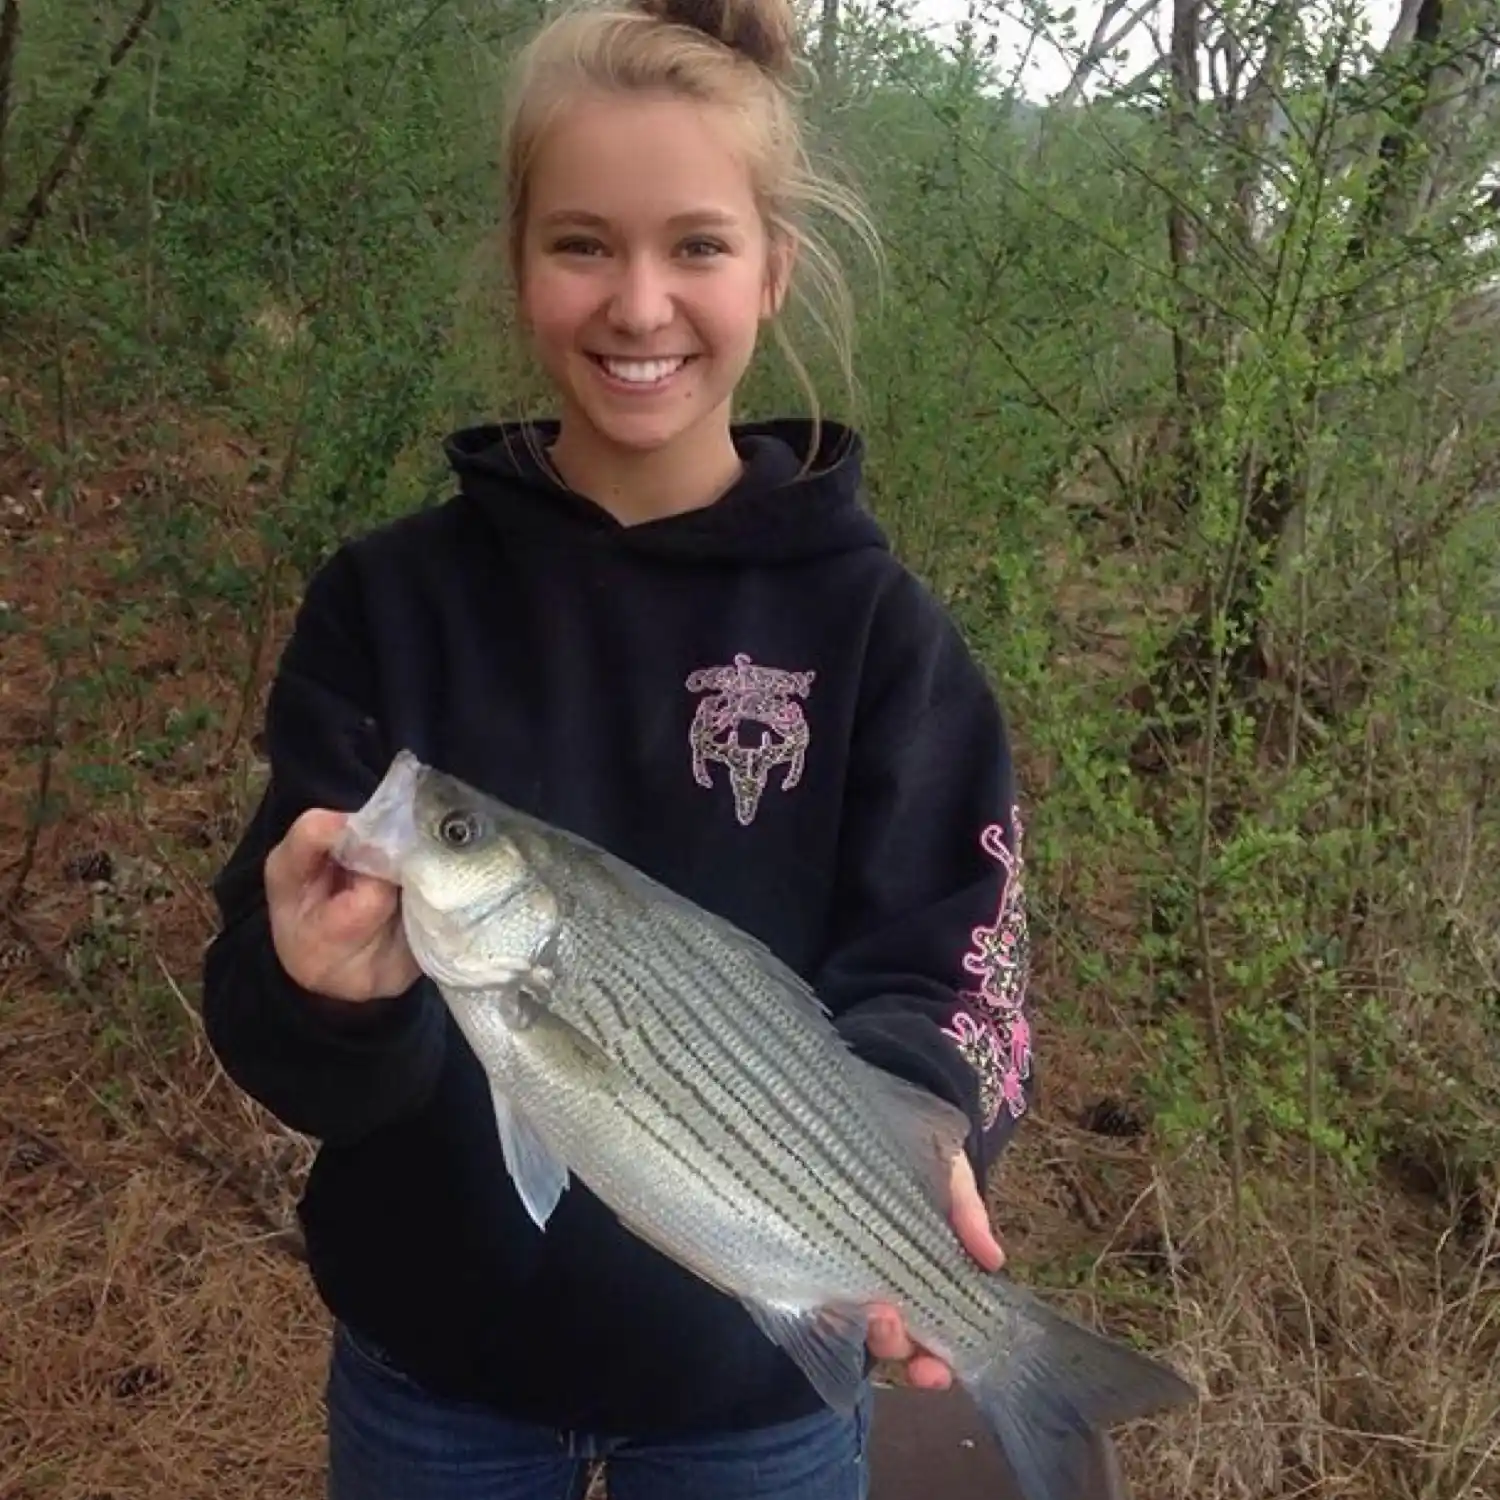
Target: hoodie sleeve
{"points": [[330, 1069], [927, 970]]}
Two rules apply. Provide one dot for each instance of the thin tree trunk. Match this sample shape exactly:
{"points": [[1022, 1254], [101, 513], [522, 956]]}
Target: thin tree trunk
{"points": [[10, 41], [828, 41], [1256, 112], [1182, 246], [41, 200], [1395, 144]]}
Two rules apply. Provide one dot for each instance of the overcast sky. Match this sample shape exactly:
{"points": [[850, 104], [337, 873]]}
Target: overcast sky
{"points": [[1048, 69]]}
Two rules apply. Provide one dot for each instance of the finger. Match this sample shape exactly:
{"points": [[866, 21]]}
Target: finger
{"points": [[316, 832], [928, 1373], [303, 851], [970, 1220], [886, 1335], [362, 907], [972, 1225]]}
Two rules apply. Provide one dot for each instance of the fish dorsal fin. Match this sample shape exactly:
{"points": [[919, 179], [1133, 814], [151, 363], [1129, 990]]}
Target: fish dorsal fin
{"points": [[930, 1131], [826, 1343]]}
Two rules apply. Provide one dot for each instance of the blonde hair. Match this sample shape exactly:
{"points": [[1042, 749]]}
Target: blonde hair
{"points": [[739, 55]]}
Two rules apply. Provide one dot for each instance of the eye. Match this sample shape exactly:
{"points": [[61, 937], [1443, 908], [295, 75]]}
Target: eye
{"points": [[704, 249], [574, 244], [458, 829]]}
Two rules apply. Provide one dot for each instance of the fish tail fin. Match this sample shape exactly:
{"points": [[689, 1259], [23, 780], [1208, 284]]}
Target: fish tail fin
{"points": [[1049, 1401]]}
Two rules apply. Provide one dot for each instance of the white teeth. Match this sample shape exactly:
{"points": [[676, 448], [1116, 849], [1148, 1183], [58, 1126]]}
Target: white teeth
{"points": [[642, 371]]}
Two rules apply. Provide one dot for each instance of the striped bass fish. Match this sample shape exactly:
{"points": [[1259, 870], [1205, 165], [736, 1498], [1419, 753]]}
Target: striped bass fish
{"points": [[698, 1087]]}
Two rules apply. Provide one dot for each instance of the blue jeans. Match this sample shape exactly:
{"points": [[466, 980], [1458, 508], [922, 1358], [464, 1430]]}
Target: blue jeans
{"points": [[389, 1439]]}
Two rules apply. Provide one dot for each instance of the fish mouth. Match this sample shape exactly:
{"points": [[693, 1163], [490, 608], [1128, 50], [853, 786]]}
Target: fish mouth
{"points": [[378, 837]]}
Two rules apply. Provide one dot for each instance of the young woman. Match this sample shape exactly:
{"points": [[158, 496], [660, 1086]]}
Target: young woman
{"points": [[685, 639]]}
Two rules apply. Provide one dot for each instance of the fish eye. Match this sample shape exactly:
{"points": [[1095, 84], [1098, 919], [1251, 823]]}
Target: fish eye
{"points": [[458, 829]]}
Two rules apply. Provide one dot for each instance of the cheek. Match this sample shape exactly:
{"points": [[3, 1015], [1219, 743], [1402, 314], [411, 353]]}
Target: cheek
{"points": [[739, 309], [554, 307]]}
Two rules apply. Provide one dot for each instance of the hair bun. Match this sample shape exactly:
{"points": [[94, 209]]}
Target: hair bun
{"points": [[765, 31]]}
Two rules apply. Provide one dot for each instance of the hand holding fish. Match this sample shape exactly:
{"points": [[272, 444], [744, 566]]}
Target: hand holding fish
{"points": [[336, 933], [888, 1338]]}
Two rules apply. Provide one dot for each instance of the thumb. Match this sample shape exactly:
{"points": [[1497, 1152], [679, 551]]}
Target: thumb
{"points": [[970, 1220]]}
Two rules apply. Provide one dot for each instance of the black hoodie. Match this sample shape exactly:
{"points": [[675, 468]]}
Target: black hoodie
{"points": [[753, 702]]}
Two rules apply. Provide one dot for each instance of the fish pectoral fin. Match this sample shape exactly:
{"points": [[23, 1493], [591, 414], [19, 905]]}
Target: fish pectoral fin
{"points": [[523, 1008], [930, 1130], [452, 970], [522, 1000], [826, 1343], [539, 1175]]}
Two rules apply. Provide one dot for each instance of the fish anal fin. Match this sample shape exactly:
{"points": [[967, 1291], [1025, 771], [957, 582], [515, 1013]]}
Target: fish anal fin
{"points": [[826, 1343]]}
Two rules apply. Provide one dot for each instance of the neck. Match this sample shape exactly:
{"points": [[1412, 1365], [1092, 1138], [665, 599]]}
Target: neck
{"points": [[635, 486]]}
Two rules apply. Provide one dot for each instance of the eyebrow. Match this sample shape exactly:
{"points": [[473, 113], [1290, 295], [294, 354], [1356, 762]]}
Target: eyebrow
{"points": [[699, 218]]}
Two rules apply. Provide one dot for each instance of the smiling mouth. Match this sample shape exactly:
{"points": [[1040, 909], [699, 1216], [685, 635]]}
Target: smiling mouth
{"points": [[642, 373]]}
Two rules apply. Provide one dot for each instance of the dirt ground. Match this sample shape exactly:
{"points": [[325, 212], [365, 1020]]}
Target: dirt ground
{"points": [[158, 1334]]}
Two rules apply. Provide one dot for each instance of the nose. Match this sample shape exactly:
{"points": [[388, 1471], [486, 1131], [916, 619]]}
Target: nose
{"points": [[642, 298]]}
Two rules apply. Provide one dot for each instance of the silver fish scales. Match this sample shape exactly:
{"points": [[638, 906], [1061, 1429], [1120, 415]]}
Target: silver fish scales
{"points": [[696, 1085]]}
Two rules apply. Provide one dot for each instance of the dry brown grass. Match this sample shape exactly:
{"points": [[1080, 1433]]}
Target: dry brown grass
{"points": [[158, 1341], [1350, 1351], [158, 1336]]}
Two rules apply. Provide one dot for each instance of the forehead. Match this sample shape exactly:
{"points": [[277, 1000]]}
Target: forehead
{"points": [[640, 161]]}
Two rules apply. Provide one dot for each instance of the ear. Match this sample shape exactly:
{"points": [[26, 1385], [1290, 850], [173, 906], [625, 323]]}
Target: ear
{"points": [[781, 259]]}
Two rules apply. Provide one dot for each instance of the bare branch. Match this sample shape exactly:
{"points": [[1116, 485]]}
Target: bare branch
{"points": [[1225, 47], [41, 200], [1138, 82], [1102, 43]]}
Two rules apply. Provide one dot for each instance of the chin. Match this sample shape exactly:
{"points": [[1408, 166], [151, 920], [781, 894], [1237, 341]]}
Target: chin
{"points": [[640, 436]]}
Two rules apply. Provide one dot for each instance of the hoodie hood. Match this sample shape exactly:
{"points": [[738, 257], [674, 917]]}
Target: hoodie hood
{"points": [[772, 513]]}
